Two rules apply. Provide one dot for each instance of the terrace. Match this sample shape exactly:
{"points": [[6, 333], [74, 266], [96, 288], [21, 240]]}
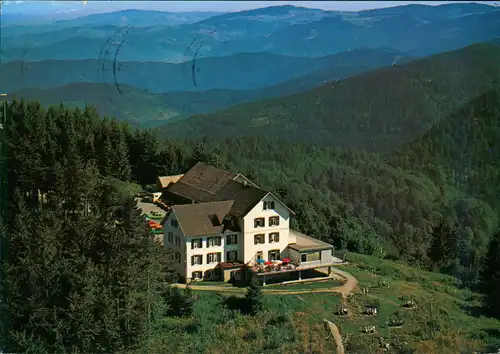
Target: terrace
{"points": [[306, 254]]}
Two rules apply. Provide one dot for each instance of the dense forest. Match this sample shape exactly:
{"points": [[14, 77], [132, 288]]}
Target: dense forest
{"points": [[82, 274]]}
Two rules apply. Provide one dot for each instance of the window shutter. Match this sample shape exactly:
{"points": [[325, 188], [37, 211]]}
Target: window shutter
{"points": [[277, 237], [255, 240], [219, 256], [219, 241], [208, 258]]}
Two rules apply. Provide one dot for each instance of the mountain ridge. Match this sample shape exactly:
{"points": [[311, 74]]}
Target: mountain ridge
{"points": [[178, 105], [248, 71], [340, 114], [311, 33]]}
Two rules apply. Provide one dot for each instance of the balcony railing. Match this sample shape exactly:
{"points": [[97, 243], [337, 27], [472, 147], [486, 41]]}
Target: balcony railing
{"points": [[293, 266]]}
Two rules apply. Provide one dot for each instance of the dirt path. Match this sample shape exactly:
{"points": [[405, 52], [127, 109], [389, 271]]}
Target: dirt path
{"points": [[347, 288], [336, 335]]}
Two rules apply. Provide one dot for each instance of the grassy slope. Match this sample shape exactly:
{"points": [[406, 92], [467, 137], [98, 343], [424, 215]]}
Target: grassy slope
{"points": [[295, 323], [377, 109]]}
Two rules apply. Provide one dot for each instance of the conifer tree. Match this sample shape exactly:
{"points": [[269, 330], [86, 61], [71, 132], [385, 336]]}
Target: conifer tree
{"points": [[254, 297], [490, 276]]}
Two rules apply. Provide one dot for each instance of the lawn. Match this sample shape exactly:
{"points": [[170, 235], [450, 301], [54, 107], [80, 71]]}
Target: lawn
{"points": [[445, 319]]}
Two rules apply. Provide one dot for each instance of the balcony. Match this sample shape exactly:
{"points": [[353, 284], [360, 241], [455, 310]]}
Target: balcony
{"points": [[278, 267]]}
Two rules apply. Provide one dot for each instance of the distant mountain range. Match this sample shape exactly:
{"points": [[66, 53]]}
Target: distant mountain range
{"points": [[29, 15], [284, 30], [379, 110], [151, 66], [236, 72], [151, 92]]}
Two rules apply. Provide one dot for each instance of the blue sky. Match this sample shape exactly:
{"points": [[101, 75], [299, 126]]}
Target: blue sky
{"points": [[68, 9]]}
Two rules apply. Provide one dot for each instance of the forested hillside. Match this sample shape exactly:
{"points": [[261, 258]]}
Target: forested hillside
{"points": [[69, 185], [376, 110], [139, 103]]}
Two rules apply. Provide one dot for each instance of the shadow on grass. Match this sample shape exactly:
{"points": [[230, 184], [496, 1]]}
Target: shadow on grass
{"points": [[494, 340], [237, 303], [239, 283], [474, 311], [191, 328]]}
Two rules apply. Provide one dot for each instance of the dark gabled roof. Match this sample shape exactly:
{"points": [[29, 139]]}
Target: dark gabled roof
{"points": [[202, 218], [207, 178], [245, 197], [188, 192], [204, 184], [173, 198]]}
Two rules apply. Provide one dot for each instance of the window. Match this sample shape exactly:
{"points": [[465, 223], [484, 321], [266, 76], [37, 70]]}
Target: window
{"points": [[196, 243], [260, 238], [197, 275], [196, 259], [259, 255], [213, 241], [213, 257], [170, 237], [310, 257], [177, 240], [177, 257], [316, 256], [274, 237], [231, 256], [174, 223], [274, 220], [269, 205], [232, 239], [259, 222], [274, 255]]}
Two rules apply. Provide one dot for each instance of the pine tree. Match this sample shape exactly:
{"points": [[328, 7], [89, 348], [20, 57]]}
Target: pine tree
{"points": [[254, 297], [490, 276], [180, 303]]}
